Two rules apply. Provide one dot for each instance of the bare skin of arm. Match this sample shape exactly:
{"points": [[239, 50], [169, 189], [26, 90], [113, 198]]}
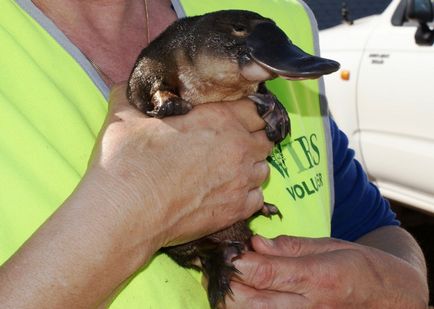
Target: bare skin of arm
{"points": [[383, 269], [129, 204]]}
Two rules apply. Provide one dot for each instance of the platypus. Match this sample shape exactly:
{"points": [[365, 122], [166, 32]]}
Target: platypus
{"points": [[220, 56]]}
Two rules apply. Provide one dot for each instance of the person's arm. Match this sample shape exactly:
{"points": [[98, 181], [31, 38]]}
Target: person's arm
{"points": [[359, 206], [382, 268], [397, 242], [131, 201], [361, 213]]}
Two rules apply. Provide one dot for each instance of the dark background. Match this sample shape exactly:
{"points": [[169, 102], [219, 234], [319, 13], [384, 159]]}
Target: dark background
{"points": [[328, 12], [420, 225]]}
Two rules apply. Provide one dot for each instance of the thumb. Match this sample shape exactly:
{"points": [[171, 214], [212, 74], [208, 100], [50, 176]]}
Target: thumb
{"points": [[119, 107], [291, 246], [118, 95]]}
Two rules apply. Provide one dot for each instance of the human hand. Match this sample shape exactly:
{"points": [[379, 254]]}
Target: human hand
{"points": [[149, 183], [292, 272], [186, 176]]}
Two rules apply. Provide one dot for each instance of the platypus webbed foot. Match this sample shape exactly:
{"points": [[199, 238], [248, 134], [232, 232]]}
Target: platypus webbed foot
{"points": [[218, 268], [274, 114], [269, 209], [168, 104]]}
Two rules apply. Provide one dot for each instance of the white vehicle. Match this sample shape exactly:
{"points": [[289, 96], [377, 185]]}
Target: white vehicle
{"points": [[383, 97]]}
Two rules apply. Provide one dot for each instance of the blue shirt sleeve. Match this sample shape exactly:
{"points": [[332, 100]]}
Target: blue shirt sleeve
{"points": [[359, 206]]}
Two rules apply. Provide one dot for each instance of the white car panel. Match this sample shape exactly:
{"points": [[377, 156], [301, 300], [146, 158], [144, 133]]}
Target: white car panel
{"points": [[343, 110], [400, 163], [387, 106]]}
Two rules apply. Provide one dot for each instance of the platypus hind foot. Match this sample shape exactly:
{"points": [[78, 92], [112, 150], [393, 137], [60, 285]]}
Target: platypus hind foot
{"points": [[219, 269]]}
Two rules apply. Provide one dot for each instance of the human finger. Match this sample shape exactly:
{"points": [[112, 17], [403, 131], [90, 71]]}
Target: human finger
{"points": [[119, 106], [285, 274], [247, 297], [118, 95], [259, 174], [254, 202], [246, 113], [292, 246], [263, 146]]}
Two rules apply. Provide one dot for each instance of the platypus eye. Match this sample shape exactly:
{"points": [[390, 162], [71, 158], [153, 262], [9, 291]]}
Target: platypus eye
{"points": [[239, 30]]}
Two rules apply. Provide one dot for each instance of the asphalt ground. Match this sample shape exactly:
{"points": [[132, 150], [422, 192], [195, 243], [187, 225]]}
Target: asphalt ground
{"points": [[421, 226]]}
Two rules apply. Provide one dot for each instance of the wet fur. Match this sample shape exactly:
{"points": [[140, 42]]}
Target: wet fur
{"points": [[186, 60]]}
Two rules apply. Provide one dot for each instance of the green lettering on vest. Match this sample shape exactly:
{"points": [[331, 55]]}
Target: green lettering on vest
{"points": [[307, 189], [277, 160], [296, 158], [299, 191], [307, 145], [313, 139], [290, 190]]}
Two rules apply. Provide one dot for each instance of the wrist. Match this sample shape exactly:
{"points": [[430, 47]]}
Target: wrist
{"points": [[126, 213]]}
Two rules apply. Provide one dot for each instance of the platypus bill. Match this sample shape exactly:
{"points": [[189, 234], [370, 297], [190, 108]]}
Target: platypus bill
{"points": [[220, 56]]}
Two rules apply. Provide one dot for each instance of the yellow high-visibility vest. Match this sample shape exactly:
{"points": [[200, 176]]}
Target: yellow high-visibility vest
{"points": [[51, 112]]}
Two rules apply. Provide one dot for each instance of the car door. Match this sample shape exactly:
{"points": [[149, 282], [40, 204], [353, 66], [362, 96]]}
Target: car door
{"points": [[395, 104]]}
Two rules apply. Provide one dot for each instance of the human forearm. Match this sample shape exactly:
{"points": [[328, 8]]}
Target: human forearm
{"points": [[403, 246], [80, 255]]}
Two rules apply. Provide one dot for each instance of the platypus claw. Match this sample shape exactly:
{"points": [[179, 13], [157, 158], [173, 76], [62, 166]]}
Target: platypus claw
{"points": [[278, 125], [269, 209]]}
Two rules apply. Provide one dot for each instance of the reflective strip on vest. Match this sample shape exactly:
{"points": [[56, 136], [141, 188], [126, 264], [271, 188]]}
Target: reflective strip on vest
{"points": [[51, 113]]}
